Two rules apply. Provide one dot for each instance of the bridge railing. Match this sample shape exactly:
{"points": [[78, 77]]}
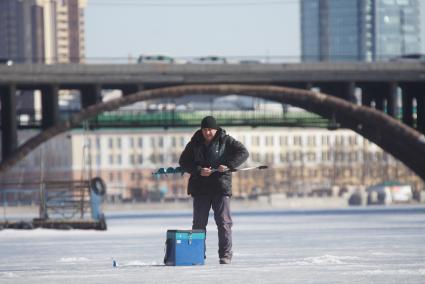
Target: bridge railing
{"points": [[29, 119], [171, 118]]}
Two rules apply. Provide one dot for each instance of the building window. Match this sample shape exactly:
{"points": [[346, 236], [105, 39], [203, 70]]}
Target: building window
{"points": [[325, 140], [140, 159], [119, 161], [140, 142], [98, 145], [352, 140], [152, 158], [175, 158], [110, 143], [119, 143], [311, 156], [269, 140], [132, 160], [298, 156], [111, 176], [340, 140], [283, 140], [131, 142], [255, 157], [269, 158], [298, 140], [111, 159], [288, 156]]}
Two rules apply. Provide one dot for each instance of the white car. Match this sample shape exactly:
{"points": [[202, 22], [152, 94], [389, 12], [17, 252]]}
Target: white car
{"points": [[6, 61]]}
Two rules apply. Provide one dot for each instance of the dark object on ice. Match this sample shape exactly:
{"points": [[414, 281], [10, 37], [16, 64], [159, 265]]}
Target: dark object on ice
{"points": [[355, 199], [24, 225]]}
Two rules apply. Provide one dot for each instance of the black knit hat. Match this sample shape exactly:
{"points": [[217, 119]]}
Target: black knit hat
{"points": [[209, 122]]}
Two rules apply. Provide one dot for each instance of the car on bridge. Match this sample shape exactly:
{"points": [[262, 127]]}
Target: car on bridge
{"points": [[249, 61], [212, 59], [413, 57], [6, 61], [155, 59]]}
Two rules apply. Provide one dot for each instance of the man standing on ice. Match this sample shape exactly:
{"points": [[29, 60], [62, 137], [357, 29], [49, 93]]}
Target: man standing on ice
{"points": [[207, 158]]}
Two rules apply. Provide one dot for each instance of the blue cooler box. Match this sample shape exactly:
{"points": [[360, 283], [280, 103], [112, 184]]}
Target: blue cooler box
{"points": [[185, 247]]}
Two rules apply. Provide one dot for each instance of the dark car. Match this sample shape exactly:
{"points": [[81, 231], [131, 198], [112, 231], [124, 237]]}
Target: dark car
{"points": [[413, 57], [211, 60]]}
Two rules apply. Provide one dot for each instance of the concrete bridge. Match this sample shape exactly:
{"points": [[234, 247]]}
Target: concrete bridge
{"points": [[379, 84]]}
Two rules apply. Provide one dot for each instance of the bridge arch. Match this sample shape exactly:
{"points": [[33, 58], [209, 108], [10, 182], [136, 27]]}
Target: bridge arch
{"points": [[403, 142]]}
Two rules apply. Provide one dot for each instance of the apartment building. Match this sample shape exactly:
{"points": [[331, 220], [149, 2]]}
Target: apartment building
{"points": [[42, 31], [299, 160]]}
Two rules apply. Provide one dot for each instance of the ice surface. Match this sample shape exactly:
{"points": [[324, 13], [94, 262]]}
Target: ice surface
{"points": [[320, 246]]}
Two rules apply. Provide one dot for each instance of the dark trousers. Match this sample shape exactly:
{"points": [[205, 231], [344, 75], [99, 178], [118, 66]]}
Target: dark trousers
{"points": [[221, 207]]}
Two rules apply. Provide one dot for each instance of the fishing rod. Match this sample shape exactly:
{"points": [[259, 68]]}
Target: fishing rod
{"points": [[179, 170], [263, 167]]}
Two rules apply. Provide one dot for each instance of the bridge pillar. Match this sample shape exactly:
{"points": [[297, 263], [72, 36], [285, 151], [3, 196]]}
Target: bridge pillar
{"points": [[90, 95], [379, 103], [407, 105], [366, 98], [420, 111], [392, 108], [49, 106], [379, 92], [410, 91], [343, 90], [9, 134]]}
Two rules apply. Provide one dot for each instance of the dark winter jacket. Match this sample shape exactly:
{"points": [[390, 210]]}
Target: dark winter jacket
{"points": [[222, 150]]}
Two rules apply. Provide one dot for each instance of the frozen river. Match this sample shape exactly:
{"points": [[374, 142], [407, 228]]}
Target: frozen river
{"points": [[364, 245]]}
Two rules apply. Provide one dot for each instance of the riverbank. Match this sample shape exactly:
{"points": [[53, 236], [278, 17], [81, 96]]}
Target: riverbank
{"points": [[262, 203]]}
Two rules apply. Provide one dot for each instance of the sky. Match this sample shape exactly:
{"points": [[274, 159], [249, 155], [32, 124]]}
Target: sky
{"points": [[119, 29]]}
